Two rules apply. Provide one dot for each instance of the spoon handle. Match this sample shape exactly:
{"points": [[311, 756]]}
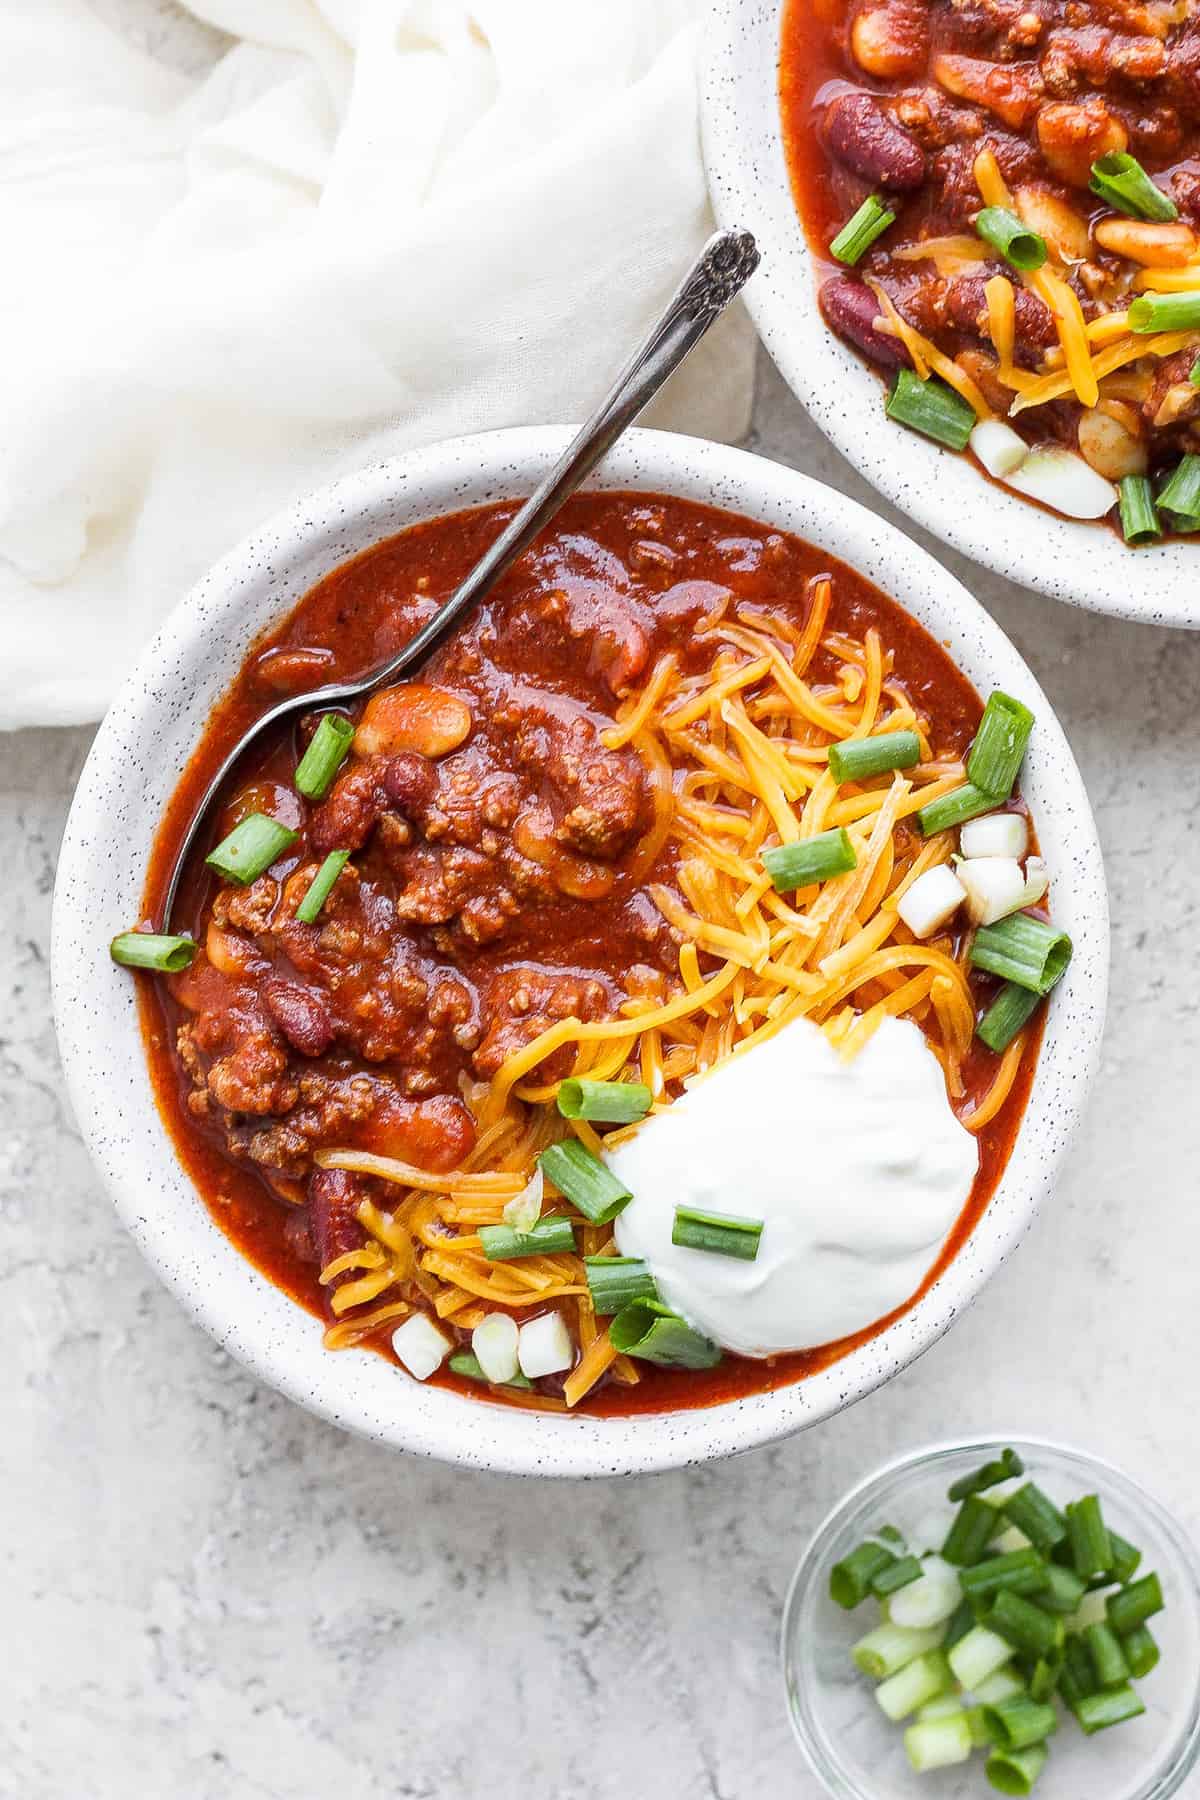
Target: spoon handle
{"points": [[719, 273]]}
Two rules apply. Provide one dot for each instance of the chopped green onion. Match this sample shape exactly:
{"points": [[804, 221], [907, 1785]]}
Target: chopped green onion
{"points": [[1016, 1771], [1017, 244], [1063, 1591], [1126, 1557], [856, 759], [549, 1237], [1012, 1008], [1025, 1625], [1096, 1712], [932, 408], [1164, 312], [890, 1648], [651, 1331], [1044, 1676], [1037, 1516], [615, 1282], [322, 886], [903, 1571], [723, 1234], [962, 1620], [250, 848], [999, 746], [149, 950], [605, 1102], [327, 751], [1017, 1723], [1139, 515], [1091, 1549], [939, 1743], [1023, 1571], [980, 1654], [1023, 949], [859, 233], [1078, 1675], [1108, 1658], [1181, 495], [1134, 1604], [810, 860], [972, 1531], [850, 1580], [1121, 180], [1000, 1686], [466, 1364], [584, 1180], [989, 1476], [1141, 1650], [920, 1681], [966, 802]]}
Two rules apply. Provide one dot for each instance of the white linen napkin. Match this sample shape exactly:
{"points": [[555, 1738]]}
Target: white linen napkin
{"points": [[376, 223]]}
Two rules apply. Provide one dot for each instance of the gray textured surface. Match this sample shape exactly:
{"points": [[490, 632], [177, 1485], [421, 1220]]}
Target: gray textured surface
{"points": [[213, 1594]]}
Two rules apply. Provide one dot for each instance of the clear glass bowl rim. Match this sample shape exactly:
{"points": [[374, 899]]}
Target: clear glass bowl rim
{"points": [[1184, 1755]]}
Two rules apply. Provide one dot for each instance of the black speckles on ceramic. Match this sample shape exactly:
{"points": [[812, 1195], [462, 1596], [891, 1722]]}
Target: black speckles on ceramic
{"points": [[1083, 565], [146, 739]]}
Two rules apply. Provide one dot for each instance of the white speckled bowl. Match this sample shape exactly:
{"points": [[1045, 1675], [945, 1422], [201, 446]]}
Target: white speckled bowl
{"points": [[1085, 565], [144, 742]]}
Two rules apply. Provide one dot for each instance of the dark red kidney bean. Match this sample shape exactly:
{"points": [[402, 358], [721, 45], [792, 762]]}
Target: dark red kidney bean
{"points": [[851, 309], [409, 780], [334, 1197], [868, 140], [301, 1014], [966, 307]]}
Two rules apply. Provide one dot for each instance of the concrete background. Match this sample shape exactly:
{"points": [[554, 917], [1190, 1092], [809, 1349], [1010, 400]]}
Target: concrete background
{"points": [[208, 1593]]}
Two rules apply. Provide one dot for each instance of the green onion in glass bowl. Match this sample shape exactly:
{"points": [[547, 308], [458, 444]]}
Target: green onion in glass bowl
{"points": [[847, 1734]]}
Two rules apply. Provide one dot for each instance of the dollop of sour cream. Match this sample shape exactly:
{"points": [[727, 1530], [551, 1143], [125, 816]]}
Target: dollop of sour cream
{"points": [[857, 1169]]}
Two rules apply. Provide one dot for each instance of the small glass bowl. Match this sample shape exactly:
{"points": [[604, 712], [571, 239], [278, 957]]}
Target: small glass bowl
{"points": [[859, 1755]]}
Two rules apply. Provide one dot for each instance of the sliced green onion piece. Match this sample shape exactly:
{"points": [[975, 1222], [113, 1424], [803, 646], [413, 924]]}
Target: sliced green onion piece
{"points": [[1164, 312], [584, 1180], [810, 860], [1023, 1571], [916, 1684], [962, 1621], [990, 1475], [1181, 495], [999, 746], [1032, 1512], [1015, 1724], [723, 1234], [979, 1655], [1134, 1604], [327, 751], [1034, 955], [651, 1331], [1126, 1557], [1091, 1548], [549, 1237], [971, 1533], [1140, 522], [1077, 1676], [250, 848], [605, 1102], [1112, 1706], [1121, 180], [466, 1364], [1044, 1676], [856, 759], [1012, 1008], [939, 1743], [1108, 1658], [1063, 1591], [1016, 1771], [966, 802], [149, 950], [850, 1580], [931, 407], [1025, 1625], [1141, 1650], [902, 1572], [859, 233], [615, 1282], [890, 1648], [322, 886], [1017, 244]]}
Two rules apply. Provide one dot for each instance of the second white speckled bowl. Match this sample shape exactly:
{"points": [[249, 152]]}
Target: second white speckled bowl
{"points": [[1085, 565], [147, 737]]}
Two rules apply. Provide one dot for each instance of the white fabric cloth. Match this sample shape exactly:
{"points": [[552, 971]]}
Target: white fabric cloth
{"points": [[374, 224]]}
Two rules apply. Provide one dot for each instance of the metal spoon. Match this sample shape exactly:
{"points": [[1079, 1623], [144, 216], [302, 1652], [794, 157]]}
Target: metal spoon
{"points": [[720, 271]]}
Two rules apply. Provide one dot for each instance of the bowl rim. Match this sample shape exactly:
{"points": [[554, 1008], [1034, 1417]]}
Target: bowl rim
{"points": [[1082, 565], [1184, 1755], [132, 768]]}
